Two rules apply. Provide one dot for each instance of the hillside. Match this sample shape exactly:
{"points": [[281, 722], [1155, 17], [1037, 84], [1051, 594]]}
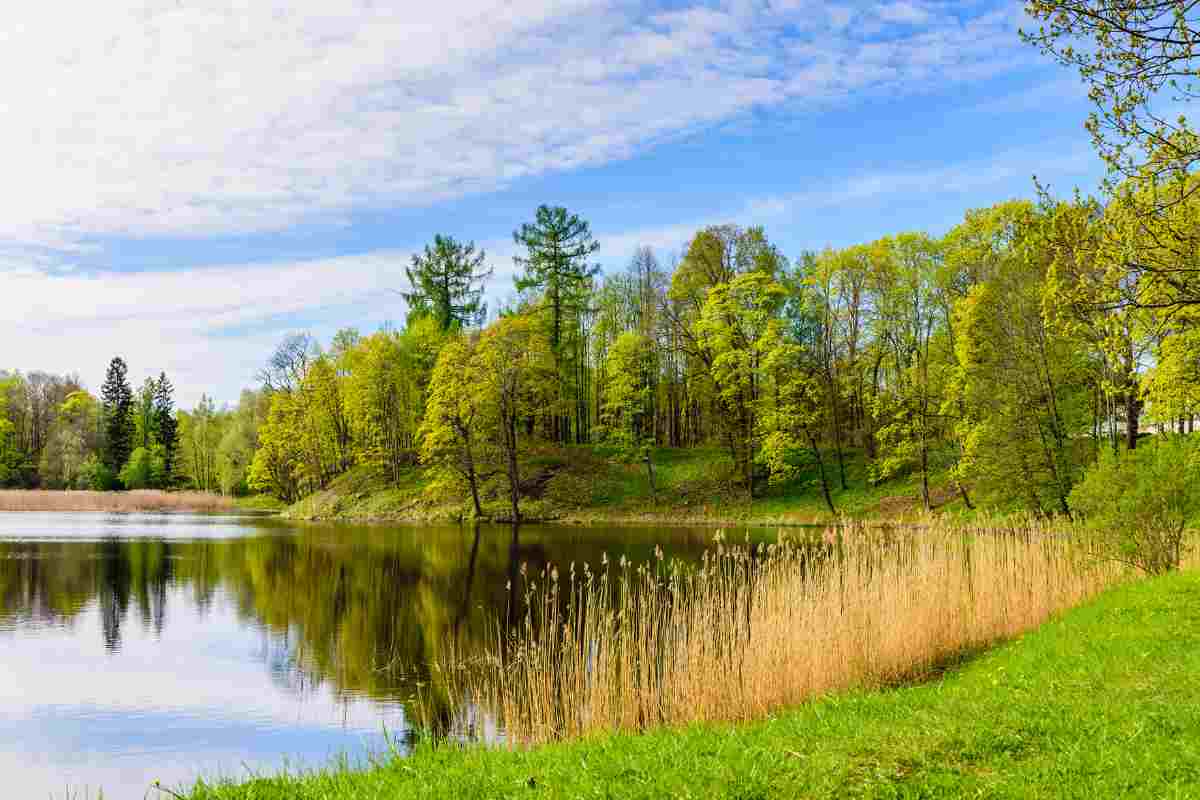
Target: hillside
{"points": [[582, 484]]}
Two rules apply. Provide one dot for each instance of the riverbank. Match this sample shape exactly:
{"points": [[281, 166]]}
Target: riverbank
{"points": [[142, 500], [1098, 703], [583, 485]]}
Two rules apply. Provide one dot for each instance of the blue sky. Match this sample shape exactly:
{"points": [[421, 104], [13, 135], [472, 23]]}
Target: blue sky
{"points": [[188, 181]]}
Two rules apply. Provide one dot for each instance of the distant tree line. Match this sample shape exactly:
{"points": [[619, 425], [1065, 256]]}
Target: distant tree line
{"points": [[54, 434]]}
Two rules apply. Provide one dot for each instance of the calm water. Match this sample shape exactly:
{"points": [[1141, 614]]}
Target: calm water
{"points": [[141, 647]]}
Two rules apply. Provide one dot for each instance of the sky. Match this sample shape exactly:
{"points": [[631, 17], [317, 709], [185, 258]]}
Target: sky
{"points": [[187, 181]]}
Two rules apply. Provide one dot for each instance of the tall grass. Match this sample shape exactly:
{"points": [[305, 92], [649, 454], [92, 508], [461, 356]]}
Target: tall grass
{"points": [[750, 630], [140, 500]]}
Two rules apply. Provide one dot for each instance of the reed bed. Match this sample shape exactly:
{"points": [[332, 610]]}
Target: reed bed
{"points": [[751, 630], [139, 500]]}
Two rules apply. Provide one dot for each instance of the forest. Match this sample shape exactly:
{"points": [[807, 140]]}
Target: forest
{"points": [[1022, 345]]}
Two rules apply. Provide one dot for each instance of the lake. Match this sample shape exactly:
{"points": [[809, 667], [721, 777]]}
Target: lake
{"points": [[142, 647]]}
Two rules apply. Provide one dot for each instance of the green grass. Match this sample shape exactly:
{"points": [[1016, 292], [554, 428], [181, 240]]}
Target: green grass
{"points": [[259, 502], [587, 484], [1099, 703]]}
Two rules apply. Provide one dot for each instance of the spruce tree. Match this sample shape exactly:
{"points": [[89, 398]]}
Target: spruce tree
{"points": [[447, 283], [168, 426], [117, 397]]}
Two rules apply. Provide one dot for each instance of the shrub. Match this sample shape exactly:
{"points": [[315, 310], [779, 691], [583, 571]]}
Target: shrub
{"points": [[95, 475], [1137, 505], [144, 469]]}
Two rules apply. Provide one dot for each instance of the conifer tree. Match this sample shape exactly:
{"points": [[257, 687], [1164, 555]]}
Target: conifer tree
{"points": [[117, 397], [168, 426], [447, 283], [557, 247]]}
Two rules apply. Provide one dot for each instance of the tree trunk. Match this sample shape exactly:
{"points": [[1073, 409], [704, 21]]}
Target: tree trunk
{"points": [[1132, 413], [837, 437], [962, 490], [925, 474], [812, 443]]}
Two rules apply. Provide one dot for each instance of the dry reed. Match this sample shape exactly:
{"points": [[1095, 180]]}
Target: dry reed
{"points": [[754, 630], [140, 500]]}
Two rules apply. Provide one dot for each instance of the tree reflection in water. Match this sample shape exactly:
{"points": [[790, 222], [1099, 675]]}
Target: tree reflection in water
{"points": [[362, 610]]}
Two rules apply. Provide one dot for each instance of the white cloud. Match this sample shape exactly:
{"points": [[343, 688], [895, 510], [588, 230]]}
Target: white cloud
{"points": [[209, 328], [207, 117]]}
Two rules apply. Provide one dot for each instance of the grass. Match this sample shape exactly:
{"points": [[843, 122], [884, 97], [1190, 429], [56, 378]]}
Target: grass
{"points": [[140, 500], [1100, 702], [586, 484]]}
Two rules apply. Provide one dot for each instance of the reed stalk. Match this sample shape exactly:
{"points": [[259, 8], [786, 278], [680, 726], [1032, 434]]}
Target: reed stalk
{"points": [[751, 630]]}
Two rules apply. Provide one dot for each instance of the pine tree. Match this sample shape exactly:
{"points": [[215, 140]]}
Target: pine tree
{"points": [[447, 283], [168, 426], [117, 397]]}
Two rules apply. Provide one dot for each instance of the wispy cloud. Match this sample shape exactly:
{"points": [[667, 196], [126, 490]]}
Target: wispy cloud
{"points": [[161, 118]]}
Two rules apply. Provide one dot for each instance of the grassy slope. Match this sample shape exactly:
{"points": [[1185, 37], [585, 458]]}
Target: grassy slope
{"points": [[585, 486], [1101, 703]]}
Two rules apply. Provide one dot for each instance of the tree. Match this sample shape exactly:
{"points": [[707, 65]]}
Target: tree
{"points": [[792, 412], [453, 441], [288, 363], [387, 376], [1023, 383], [167, 425], [145, 421], [516, 377], [275, 468], [240, 441], [201, 434], [117, 399], [447, 282], [1138, 59], [74, 439], [906, 314], [10, 455], [1128, 52], [557, 247], [738, 321], [623, 410], [1172, 386]]}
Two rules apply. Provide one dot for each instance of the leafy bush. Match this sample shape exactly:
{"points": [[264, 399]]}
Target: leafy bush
{"points": [[1138, 504], [144, 469], [95, 475]]}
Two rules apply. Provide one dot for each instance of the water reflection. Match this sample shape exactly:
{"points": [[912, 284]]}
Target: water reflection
{"points": [[145, 647]]}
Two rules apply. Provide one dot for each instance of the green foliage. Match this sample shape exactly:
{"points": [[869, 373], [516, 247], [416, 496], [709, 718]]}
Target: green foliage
{"points": [[117, 399], [235, 452], [95, 475], [555, 267], [144, 469], [1022, 384], [447, 284], [455, 440], [738, 325], [166, 424], [1138, 503], [626, 389]]}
